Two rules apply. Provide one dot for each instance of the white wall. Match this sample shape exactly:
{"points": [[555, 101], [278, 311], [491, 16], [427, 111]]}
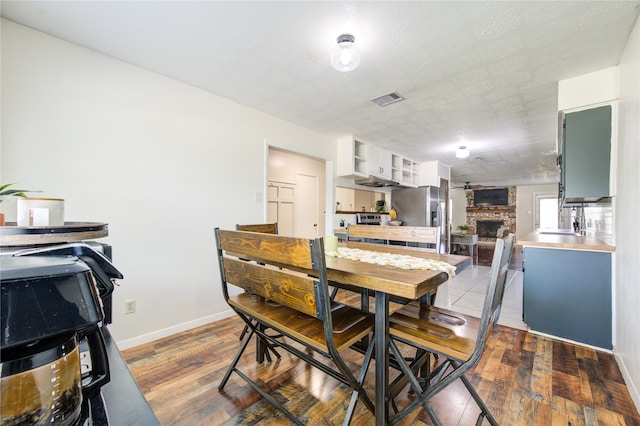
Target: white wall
{"points": [[162, 162], [603, 86], [627, 256], [458, 198], [346, 197], [525, 206]]}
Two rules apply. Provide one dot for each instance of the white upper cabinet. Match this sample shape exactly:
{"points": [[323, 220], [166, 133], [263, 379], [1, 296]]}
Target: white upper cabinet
{"points": [[432, 171], [405, 171], [379, 162], [353, 157], [360, 159]]}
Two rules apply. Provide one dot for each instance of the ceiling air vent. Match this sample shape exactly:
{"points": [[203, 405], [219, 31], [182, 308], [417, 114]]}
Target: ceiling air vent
{"points": [[387, 99]]}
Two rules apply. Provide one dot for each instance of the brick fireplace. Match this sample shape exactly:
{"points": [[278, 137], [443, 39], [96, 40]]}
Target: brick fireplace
{"points": [[488, 228], [485, 220]]}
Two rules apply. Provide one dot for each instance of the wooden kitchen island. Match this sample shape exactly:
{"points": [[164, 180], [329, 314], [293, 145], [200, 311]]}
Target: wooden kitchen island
{"points": [[567, 286]]}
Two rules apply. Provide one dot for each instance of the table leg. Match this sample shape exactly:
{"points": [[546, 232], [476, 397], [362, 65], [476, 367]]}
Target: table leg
{"points": [[382, 357], [260, 347], [364, 306]]}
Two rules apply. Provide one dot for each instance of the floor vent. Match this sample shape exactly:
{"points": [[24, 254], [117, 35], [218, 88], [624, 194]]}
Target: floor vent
{"points": [[387, 99]]}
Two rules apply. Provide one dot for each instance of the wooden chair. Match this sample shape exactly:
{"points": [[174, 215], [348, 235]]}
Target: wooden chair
{"points": [[457, 338], [411, 236], [265, 228], [291, 272], [502, 232]]}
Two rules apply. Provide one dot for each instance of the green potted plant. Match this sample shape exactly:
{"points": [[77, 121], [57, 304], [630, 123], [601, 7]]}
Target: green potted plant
{"points": [[341, 223], [464, 228], [7, 191]]}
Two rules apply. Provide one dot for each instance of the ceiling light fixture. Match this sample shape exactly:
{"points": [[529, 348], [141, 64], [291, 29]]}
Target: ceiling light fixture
{"points": [[462, 152], [345, 56]]}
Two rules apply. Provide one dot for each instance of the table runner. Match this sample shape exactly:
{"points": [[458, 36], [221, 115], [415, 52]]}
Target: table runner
{"points": [[392, 259]]}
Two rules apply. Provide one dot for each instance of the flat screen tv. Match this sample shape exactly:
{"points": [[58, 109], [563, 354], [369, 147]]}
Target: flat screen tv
{"points": [[491, 197]]}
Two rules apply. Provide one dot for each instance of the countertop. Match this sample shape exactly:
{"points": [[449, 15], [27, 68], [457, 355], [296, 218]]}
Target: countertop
{"points": [[126, 405], [568, 240]]}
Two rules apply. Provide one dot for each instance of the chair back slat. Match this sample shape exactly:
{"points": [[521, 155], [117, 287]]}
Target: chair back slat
{"points": [[265, 228], [283, 286], [268, 249], [406, 234]]}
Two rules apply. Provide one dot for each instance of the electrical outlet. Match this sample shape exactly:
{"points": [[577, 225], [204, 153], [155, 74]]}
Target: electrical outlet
{"points": [[129, 306]]}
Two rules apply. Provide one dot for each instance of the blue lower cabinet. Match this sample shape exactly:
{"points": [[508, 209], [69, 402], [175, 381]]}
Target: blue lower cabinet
{"points": [[567, 293]]}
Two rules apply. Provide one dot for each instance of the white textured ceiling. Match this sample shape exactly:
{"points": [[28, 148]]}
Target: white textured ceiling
{"points": [[484, 71]]}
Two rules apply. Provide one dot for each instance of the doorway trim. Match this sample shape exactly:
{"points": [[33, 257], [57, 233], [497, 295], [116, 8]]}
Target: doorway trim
{"points": [[329, 199]]}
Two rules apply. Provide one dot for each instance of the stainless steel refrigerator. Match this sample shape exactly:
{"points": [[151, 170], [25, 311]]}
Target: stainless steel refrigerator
{"points": [[424, 206]]}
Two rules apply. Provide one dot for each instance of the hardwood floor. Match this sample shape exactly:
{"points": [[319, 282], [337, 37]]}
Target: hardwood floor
{"points": [[525, 379]]}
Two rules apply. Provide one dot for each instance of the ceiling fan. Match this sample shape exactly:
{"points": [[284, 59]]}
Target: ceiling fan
{"points": [[466, 186]]}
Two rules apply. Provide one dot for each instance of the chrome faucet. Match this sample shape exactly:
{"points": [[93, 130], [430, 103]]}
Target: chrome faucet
{"points": [[579, 225], [582, 228]]}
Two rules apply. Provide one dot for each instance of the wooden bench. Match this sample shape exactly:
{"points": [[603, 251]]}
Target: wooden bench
{"points": [[265, 228], [286, 290], [411, 236]]}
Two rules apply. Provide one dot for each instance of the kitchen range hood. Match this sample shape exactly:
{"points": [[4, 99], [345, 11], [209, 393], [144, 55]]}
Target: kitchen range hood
{"points": [[375, 182]]}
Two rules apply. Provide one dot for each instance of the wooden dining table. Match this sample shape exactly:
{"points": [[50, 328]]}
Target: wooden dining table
{"points": [[386, 282]]}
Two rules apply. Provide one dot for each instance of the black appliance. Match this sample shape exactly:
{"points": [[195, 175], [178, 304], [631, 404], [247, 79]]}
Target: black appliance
{"points": [[97, 256], [51, 318]]}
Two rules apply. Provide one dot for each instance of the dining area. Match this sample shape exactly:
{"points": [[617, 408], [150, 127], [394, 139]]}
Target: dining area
{"points": [[312, 300], [394, 362]]}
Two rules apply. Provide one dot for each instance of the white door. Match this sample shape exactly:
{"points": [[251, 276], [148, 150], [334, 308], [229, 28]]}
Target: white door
{"points": [[296, 193], [280, 209], [546, 211], [307, 223]]}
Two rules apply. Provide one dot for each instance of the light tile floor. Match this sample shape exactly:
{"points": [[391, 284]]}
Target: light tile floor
{"points": [[465, 293]]}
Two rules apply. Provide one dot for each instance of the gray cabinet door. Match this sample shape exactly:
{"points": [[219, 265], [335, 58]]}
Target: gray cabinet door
{"points": [[567, 293], [587, 154]]}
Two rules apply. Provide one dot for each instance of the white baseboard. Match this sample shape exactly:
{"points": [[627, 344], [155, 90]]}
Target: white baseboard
{"points": [[628, 380], [159, 334]]}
